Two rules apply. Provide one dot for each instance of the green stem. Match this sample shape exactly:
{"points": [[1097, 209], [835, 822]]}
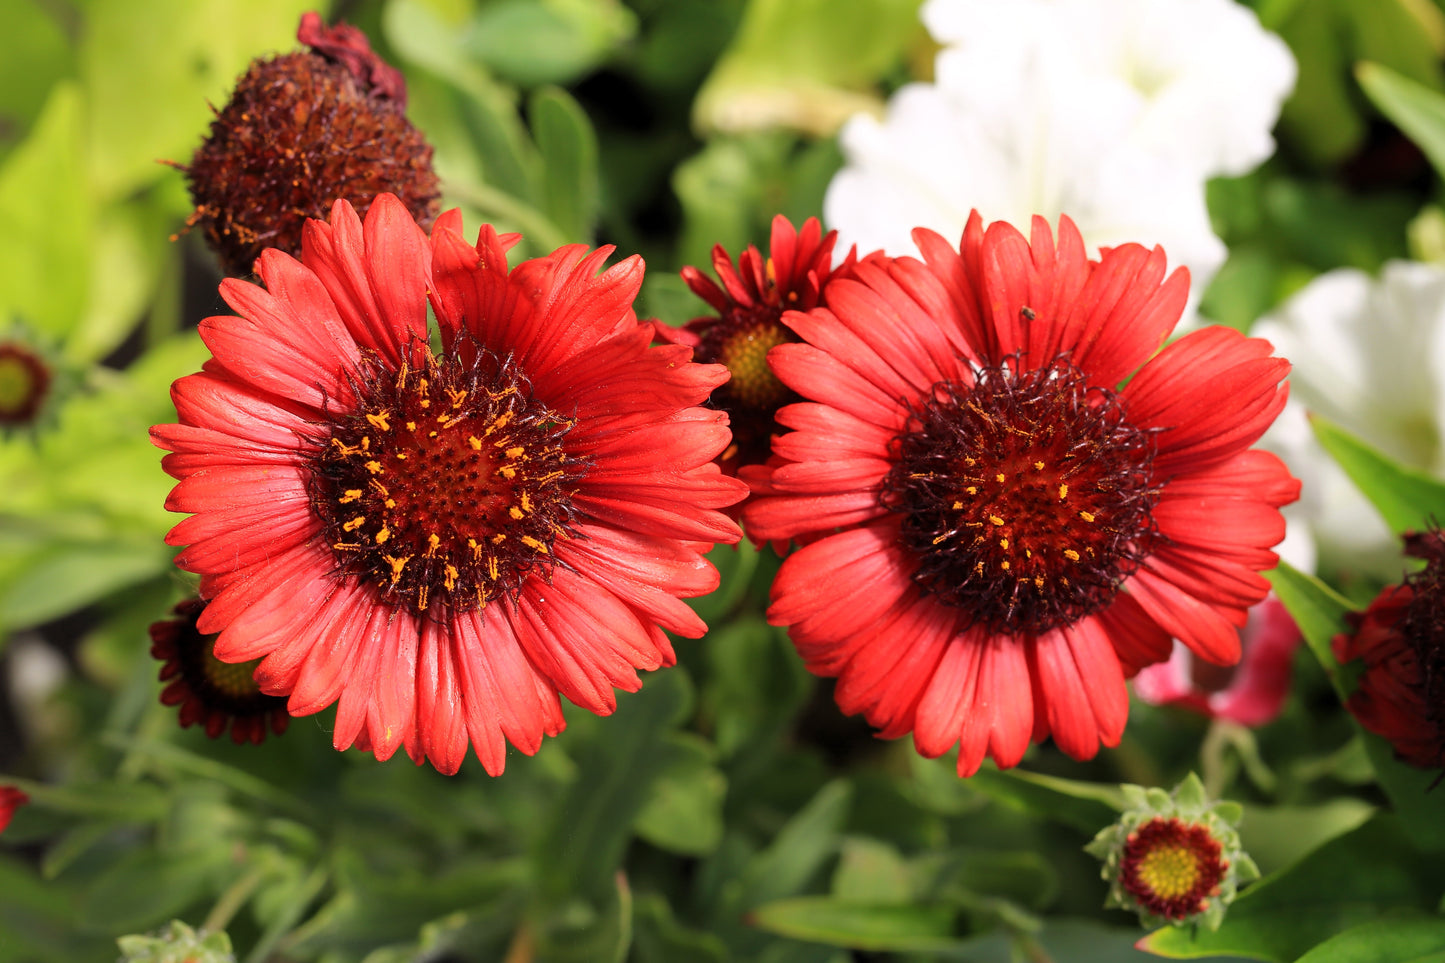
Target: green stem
{"points": [[1213, 764], [281, 930], [232, 900]]}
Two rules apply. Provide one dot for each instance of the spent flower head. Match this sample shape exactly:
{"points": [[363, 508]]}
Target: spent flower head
{"points": [[1173, 857], [301, 131], [1401, 640]]}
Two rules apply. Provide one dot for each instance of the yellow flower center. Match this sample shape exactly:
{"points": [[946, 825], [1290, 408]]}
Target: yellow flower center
{"points": [[1170, 871]]}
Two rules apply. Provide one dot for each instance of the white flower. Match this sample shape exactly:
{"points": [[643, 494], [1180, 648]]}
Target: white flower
{"points": [[1111, 111], [1045, 148], [1368, 355], [1201, 81]]}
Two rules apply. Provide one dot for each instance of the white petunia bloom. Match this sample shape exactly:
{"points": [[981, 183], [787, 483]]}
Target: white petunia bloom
{"points": [[1099, 109], [1368, 355], [1200, 80]]}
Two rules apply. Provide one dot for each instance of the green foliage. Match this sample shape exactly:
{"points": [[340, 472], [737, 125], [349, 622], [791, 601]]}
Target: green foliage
{"points": [[766, 78], [1349, 881], [1418, 110], [1327, 37], [1407, 499], [725, 812]]}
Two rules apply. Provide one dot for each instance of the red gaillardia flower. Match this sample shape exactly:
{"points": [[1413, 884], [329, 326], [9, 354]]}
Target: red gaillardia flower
{"points": [[300, 131], [11, 799], [748, 323], [215, 693], [1020, 502], [1401, 640], [1251, 694], [442, 539]]}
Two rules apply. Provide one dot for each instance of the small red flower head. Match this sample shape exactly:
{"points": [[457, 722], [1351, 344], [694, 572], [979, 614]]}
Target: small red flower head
{"points": [[11, 799], [218, 694], [24, 385], [440, 491], [1171, 868], [1173, 857], [1013, 499], [750, 304], [300, 131], [1401, 640]]}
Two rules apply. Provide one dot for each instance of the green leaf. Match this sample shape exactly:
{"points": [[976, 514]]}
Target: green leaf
{"points": [[1062, 940], [578, 932], [799, 850], [168, 67], [1407, 499], [532, 42], [64, 576], [755, 684], [1276, 836], [147, 885], [1412, 792], [1023, 877], [37, 56], [1354, 878], [766, 78], [588, 830], [721, 189], [1321, 118], [870, 871], [659, 938], [376, 904], [1317, 609], [38, 920], [735, 564], [47, 211], [568, 146], [859, 925], [684, 813], [1381, 941], [1416, 109], [477, 115], [131, 255]]}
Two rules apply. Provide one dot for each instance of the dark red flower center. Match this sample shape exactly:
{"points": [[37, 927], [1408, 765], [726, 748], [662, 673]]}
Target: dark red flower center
{"points": [[208, 690], [1172, 867], [448, 484], [24, 380], [1026, 498], [1423, 623]]}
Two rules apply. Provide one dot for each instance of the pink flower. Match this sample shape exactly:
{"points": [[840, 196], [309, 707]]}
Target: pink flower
{"points": [[11, 799], [1251, 693]]}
